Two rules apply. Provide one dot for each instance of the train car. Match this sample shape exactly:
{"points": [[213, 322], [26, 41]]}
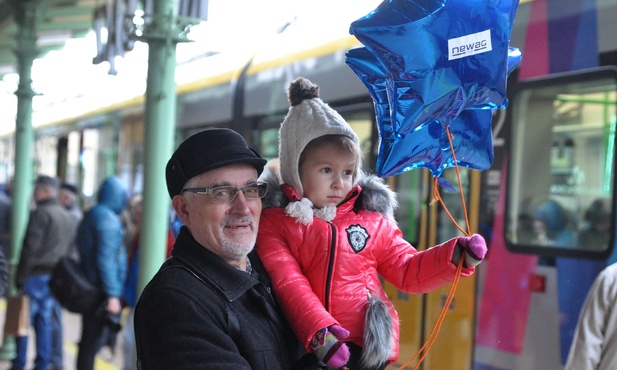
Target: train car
{"points": [[554, 164]]}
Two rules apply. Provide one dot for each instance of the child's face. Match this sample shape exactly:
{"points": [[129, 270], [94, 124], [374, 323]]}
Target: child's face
{"points": [[327, 175]]}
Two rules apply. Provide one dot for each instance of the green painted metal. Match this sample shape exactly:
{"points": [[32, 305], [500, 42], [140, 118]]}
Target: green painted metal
{"points": [[161, 31], [27, 15]]}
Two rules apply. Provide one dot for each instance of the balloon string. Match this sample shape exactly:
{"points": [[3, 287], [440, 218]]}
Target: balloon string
{"points": [[428, 344], [437, 195]]}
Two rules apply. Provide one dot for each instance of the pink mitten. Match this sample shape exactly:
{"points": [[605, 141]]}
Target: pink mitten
{"points": [[475, 249], [327, 346]]}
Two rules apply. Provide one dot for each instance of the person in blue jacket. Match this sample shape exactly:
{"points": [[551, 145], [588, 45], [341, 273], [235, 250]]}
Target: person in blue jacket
{"points": [[551, 225], [104, 261]]}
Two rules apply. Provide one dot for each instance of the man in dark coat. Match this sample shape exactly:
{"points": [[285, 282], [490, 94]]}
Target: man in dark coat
{"points": [[68, 197], [210, 305], [48, 236]]}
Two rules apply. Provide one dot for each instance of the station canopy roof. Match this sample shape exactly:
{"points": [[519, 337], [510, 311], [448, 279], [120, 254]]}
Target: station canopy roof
{"points": [[60, 21], [64, 70]]}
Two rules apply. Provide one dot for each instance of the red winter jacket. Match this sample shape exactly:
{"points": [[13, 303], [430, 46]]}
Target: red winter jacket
{"points": [[323, 273]]}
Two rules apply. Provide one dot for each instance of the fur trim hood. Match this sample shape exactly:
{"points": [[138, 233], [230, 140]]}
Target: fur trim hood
{"points": [[375, 196]]}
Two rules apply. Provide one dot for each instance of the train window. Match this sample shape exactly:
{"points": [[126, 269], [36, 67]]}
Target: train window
{"points": [[269, 142], [560, 187]]}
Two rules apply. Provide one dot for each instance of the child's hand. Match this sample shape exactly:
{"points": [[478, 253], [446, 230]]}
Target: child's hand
{"points": [[327, 345], [474, 247]]}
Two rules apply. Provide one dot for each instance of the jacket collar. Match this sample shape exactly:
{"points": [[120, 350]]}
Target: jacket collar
{"points": [[375, 195], [229, 281], [303, 210]]}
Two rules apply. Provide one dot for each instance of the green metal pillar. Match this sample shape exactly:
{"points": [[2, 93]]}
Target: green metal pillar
{"points": [[162, 30], [26, 15]]}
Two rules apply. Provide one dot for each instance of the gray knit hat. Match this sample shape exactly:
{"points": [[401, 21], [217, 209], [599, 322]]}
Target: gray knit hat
{"points": [[308, 118]]}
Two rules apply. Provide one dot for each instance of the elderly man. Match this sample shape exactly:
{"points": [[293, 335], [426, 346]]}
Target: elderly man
{"points": [[210, 305]]}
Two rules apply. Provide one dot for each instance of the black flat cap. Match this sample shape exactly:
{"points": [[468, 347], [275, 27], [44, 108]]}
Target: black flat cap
{"points": [[47, 181], [205, 151], [70, 187]]}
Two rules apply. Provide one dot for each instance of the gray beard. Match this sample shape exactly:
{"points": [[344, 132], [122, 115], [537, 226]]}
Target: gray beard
{"points": [[238, 250]]}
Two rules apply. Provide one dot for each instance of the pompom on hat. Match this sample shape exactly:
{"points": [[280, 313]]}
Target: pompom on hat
{"points": [[308, 118], [207, 150]]}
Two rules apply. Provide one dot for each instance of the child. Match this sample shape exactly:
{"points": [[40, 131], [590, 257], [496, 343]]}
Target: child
{"points": [[328, 233]]}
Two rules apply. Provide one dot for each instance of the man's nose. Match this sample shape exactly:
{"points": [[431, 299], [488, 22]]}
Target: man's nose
{"points": [[240, 204]]}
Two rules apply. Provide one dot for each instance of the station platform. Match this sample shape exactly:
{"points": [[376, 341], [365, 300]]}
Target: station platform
{"points": [[106, 359]]}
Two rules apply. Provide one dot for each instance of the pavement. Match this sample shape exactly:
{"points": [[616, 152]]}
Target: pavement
{"points": [[106, 359]]}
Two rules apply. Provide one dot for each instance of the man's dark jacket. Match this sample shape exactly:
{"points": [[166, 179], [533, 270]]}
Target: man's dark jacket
{"points": [[226, 320], [49, 235]]}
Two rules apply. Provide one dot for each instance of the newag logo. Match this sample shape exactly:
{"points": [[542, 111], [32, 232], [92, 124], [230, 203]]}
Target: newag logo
{"points": [[464, 46]]}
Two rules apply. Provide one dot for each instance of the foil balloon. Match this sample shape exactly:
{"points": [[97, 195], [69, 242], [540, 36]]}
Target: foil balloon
{"points": [[429, 147], [373, 75], [438, 64]]}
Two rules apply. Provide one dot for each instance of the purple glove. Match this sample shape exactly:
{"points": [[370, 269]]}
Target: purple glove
{"points": [[474, 247], [327, 345]]}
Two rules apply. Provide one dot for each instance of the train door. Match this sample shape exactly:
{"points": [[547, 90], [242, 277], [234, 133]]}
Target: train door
{"points": [[131, 154], [426, 223], [554, 224], [68, 167]]}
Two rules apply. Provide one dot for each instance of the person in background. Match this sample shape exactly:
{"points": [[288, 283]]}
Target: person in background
{"points": [[128, 225], [68, 198], [48, 237], [174, 224], [5, 221], [594, 346], [328, 236], [551, 225], [130, 289], [4, 274], [104, 261], [597, 228], [210, 305]]}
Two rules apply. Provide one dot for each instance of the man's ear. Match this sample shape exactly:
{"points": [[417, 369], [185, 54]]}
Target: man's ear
{"points": [[179, 205]]}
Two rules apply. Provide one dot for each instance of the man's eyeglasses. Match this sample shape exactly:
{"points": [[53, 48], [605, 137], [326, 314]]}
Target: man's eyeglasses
{"points": [[226, 194]]}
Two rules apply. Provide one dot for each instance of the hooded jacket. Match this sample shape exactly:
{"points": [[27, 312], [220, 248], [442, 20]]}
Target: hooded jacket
{"points": [[328, 272], [100, 239]]}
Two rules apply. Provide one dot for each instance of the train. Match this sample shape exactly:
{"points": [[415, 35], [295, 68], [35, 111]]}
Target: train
{"points": [[554, 163]]}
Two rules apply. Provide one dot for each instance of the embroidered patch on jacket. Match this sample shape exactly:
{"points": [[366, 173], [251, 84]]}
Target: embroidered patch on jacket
{"points": [[357, 236]]}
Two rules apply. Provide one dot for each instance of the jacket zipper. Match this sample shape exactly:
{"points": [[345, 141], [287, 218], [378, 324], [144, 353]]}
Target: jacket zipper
{"points": [[330, 267], [331, 260]]}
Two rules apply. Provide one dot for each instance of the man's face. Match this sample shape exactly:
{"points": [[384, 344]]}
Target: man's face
{"points": [[41, 193], [227, 229], [66, 198]]}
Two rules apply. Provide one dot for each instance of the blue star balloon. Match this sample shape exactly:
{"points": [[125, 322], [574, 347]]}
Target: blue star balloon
{"points": [[372, 74], [429, 147], [429, 64]]}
